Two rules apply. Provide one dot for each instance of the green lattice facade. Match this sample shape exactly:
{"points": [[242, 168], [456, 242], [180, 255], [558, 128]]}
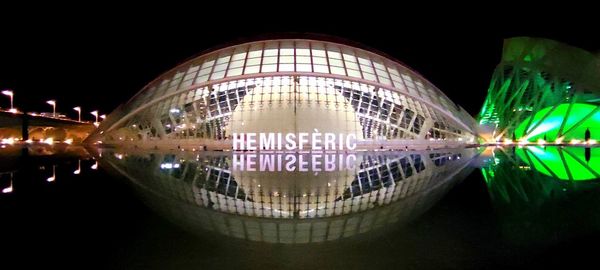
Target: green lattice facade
{"points": [[542, 86]]}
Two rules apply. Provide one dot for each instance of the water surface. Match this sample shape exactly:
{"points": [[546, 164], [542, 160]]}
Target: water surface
{"points": [[453, 208]]}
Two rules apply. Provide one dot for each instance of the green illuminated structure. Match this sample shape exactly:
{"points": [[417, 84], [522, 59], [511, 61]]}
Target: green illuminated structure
{"points": [[536, 87], [563, 122]]}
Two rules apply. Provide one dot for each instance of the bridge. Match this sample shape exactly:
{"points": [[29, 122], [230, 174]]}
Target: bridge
{"points": [[37, 127]]}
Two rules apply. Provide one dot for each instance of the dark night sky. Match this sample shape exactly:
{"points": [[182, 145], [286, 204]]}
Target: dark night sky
{"points": [[100, 61]]}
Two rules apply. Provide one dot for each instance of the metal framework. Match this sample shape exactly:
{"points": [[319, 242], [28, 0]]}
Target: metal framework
{"points": [[199, 99], [542, 86]]}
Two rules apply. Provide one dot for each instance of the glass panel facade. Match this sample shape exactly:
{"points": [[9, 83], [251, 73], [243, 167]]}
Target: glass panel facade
{"points": [[358, 91]]}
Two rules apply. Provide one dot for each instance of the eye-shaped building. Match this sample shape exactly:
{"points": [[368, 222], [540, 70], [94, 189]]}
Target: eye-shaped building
{"points": [[288, 86]]}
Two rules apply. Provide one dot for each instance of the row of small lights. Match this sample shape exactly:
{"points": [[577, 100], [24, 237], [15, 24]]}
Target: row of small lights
{"points": [[542, 142], [48, 141], [12, 109], [50, 179]]}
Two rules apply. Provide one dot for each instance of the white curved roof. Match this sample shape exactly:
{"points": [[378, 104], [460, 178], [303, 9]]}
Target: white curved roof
{"points": [[294, 57]]}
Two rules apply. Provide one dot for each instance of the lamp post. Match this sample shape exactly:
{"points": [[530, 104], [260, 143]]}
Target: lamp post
{"points": [[53, 103], [95, 113], [11, 95], [78, 109]]}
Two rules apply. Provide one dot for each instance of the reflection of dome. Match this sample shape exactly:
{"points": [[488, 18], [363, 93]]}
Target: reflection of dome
{"points": [[203, 192], [286, 85], [303, 185]]}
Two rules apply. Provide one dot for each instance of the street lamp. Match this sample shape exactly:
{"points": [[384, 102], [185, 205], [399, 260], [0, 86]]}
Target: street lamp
{"points": [[78, 109], [103, 116], [53, 103], [11, 95], [95, 113]]}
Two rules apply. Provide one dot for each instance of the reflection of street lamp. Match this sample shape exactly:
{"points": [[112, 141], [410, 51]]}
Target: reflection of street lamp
{"points": [[78, 167], [11, 95], [95, 113], [78, 109], [53, 103], [9, 189], [95, 166], [53, 177]]}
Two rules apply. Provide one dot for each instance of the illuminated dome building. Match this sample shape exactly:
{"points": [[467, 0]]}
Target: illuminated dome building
{"points": [[288, 86]]}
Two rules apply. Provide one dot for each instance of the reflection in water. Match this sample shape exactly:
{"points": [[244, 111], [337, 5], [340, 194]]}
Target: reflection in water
{"points": [[353, 211], [564, 163], [524, 173], [11, 175], [544, 192], [19, 159], [290, 198]]}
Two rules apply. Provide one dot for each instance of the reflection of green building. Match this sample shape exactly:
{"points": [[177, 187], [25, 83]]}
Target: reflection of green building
{"points": [[563, 163], [545, 90], [534, 199], [533, 175]]}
